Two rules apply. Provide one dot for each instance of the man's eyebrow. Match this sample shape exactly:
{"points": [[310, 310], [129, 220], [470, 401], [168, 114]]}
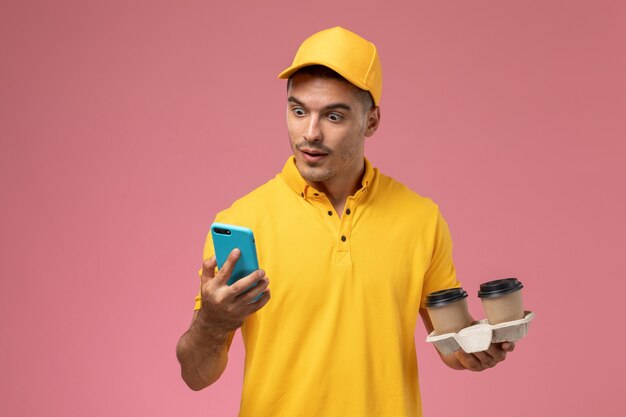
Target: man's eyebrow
{"points": [[292, 99], [331, 106]]}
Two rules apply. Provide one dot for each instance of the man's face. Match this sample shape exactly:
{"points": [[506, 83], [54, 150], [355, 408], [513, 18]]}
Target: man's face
{"points": [[327, 125]]}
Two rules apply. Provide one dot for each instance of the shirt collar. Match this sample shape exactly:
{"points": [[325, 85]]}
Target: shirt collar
{"points": [[294, 180]]}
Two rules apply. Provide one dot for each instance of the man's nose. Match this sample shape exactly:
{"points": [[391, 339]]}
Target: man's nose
{"points": [[313, 131]]}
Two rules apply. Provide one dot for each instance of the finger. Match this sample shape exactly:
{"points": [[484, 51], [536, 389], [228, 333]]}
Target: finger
{"points": [[258, 304], [251, 295], [508, 346], [223, 275], [208, 269], [246, 282], [468, 360], [495, 351], [486, 359]]}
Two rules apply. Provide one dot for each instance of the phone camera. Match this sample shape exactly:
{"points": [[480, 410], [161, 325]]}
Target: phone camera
{"points": [[221, 231]]}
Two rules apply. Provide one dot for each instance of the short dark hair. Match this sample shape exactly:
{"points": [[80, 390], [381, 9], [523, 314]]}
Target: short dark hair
{"points": [[325, 72]]}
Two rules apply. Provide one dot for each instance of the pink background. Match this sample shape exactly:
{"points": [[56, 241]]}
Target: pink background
{"points": [[126, 125]]}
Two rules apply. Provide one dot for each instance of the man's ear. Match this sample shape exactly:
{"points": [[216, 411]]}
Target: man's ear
{"points": [[373, 121]]}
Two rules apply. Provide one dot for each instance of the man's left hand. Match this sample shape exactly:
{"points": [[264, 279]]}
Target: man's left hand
{"points": [[479, 361]]}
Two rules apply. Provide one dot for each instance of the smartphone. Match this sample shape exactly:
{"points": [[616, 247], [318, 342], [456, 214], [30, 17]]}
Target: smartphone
{"points": [[227, 237]]}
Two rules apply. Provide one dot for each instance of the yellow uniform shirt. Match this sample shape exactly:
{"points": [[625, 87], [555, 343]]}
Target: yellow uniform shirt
{"points": [[337, 337]]}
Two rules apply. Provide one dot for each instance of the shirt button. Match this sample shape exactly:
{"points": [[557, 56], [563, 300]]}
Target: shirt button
{"points": [[301, 194], [348, 211], [330, 213], [343, 238]]}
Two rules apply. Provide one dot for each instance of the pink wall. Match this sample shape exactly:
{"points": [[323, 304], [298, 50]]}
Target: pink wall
{"points": [[122, 125]]}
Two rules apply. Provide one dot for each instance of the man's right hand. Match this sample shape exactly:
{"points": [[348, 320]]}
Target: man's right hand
{"points": [[226, 306], [203, 350]]}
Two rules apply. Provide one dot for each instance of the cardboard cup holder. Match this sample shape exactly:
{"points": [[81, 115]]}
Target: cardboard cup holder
{"points": [[478, 337]]}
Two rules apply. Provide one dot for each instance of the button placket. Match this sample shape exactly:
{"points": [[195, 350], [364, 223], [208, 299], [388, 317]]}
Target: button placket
{"points": [[345, 228]]}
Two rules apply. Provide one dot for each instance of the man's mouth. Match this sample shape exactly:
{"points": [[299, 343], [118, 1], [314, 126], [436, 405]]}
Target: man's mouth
{"points": [[312, 155], [313, 152]]}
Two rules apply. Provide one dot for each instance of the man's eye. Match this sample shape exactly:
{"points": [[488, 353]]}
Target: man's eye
{"points": [[335, 117], [298, 111]]}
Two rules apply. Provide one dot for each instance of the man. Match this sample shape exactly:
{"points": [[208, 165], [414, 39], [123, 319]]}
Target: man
{"points": [[351, 253]]}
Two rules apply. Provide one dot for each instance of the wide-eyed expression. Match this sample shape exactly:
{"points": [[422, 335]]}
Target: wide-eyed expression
{"points": [[327, 126]]}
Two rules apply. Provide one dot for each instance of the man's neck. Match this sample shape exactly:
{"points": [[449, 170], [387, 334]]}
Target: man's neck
{"points": [[338, 190]]}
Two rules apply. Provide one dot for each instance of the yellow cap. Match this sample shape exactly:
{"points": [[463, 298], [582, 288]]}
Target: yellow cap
{"points": [[346, 53]]}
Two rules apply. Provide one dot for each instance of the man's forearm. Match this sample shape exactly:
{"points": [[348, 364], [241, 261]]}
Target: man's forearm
{"points": [[203, 354]]}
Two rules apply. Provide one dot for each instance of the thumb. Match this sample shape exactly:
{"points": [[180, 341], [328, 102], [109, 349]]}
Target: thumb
{"points": [[223, 275]]}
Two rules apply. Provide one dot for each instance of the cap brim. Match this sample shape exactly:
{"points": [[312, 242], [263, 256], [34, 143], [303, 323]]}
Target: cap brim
{"points": [[292, 69], [289, 72]]}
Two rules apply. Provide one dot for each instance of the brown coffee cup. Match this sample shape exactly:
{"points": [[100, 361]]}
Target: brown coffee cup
{"points": [[448, 310], [502, 300]]}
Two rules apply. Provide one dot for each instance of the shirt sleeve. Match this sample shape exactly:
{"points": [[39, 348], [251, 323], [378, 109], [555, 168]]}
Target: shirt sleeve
{"points": [[441, 273]]}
